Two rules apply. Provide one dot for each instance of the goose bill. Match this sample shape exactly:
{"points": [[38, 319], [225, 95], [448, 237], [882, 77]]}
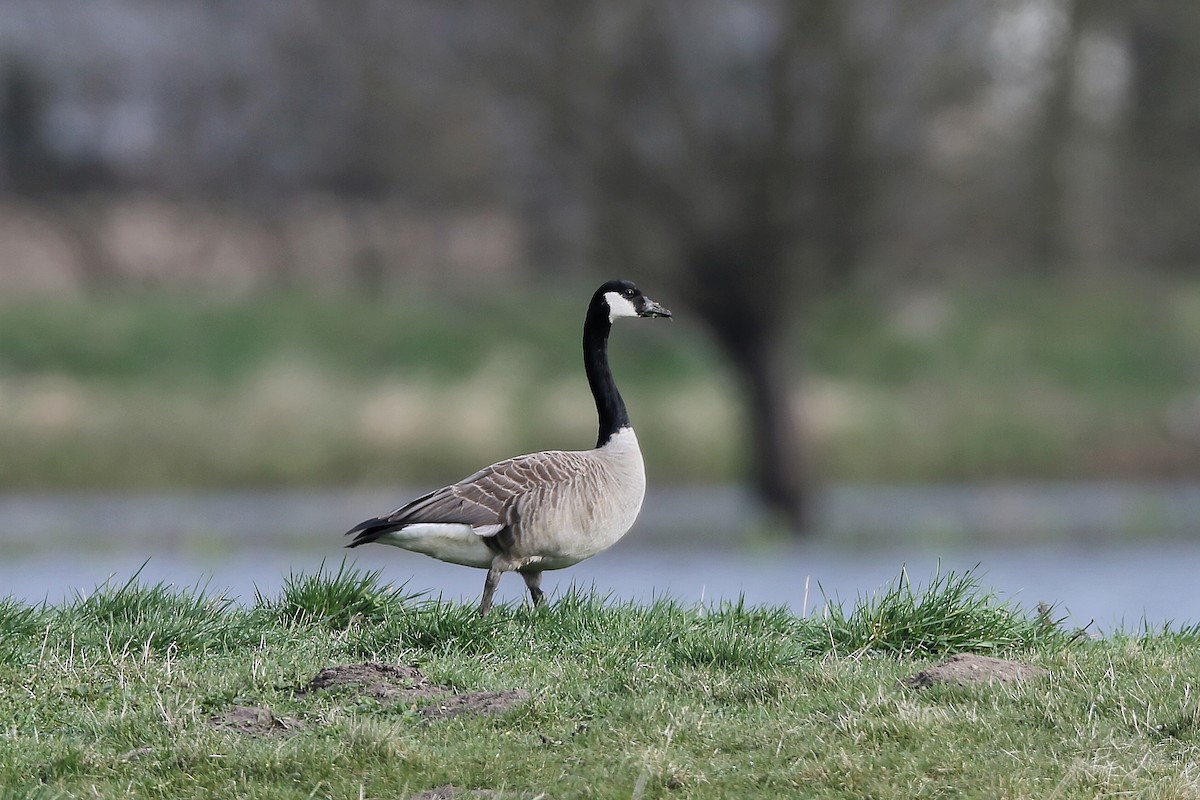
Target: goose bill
{"points": [[653, 309]]}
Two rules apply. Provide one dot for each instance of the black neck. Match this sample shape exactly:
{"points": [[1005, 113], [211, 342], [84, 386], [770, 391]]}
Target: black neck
{"points": [[610, 408]]}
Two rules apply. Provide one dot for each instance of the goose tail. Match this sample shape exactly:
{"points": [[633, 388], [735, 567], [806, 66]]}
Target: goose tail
{"points": [[370, 530]]}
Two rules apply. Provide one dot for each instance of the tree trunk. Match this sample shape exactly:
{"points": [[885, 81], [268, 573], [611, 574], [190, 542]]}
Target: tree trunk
{"points": [[777, 456], [1046, 204], [729, 273], [1161, 202]]}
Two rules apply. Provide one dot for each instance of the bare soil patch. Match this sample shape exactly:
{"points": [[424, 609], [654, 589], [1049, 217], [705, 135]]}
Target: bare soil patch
{"points": [[458, 793], [385, 682], [391, 683], [479, 704], [965, 669], [254, 721]]}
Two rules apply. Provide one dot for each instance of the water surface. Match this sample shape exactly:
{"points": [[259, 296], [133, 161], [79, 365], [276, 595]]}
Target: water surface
{"points": [[1111, 555]]}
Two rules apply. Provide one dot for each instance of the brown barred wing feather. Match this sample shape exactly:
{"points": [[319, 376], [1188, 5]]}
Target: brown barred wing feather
{"points": [[488, 501]]}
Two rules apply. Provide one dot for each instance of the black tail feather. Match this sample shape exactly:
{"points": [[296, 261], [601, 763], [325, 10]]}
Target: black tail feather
{"points": [[371, 529]]}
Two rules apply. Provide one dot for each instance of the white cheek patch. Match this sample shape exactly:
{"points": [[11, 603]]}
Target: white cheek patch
{"points": [[619, 306]]}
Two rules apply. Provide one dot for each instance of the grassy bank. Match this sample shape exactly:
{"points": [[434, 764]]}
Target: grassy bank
{"points": [[1028, 379], [148, 691]]}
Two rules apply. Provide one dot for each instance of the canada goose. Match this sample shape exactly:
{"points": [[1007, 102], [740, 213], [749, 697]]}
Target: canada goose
{"points": [[545, 510]]}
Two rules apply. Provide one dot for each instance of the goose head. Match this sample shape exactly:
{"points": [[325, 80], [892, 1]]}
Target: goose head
{"points": [[624, 299]]}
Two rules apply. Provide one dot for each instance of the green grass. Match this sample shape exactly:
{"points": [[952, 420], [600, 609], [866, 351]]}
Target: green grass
{"points": [[111, 696], [1028, 379], [163, 390]]}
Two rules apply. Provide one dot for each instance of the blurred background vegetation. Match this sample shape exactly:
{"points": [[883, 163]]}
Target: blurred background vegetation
{"points": [[246, 243]]}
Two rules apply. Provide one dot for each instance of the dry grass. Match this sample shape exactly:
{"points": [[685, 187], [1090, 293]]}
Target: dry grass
{"points": [[294, 425], [1049, 381]]}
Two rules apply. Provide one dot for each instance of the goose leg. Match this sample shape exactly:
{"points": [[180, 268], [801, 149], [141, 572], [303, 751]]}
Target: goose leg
{"points": [[534, 581], [489, 589]]}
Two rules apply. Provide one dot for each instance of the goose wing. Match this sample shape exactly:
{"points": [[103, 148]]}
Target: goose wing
{"points": [[489, 501]]}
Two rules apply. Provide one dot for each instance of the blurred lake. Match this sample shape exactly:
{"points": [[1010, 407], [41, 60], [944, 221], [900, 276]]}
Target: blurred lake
{"points": [[1111, 554]]}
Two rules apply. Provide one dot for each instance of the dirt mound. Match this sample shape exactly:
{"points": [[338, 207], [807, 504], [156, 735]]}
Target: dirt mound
{"points": [[965, 669], [457, 793], [386, 682], [254, 721], [480, 704], [402, 684]]}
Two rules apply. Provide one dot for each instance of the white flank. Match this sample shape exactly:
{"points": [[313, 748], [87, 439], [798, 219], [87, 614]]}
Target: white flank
{"points": [[445, 541], [619, 306]]}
